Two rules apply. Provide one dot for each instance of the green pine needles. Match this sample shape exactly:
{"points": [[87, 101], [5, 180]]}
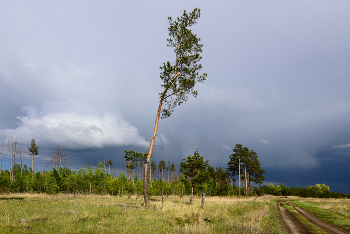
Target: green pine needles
{"points": [[181, 76]]}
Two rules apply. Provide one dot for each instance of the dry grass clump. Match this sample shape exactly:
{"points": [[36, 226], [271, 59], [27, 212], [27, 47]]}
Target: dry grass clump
{"points": [[108, 214]]}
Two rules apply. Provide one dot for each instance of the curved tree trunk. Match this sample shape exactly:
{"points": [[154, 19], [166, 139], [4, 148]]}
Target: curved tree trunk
{"points": [[145, 196]]}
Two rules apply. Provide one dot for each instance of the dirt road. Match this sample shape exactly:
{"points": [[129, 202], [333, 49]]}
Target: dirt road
{"points": [[293, 224]]}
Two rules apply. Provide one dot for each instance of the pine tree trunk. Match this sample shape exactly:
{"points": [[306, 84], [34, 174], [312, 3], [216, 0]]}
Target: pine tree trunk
{"points": [[145, 195], [239, 177], [32, 166]]}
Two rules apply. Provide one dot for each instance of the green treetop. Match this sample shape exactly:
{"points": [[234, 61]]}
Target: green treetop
{"points": [[194, 168]]}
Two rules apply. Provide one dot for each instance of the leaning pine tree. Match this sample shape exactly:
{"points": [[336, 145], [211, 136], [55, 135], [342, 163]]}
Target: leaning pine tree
{"points": [[179, 77]]}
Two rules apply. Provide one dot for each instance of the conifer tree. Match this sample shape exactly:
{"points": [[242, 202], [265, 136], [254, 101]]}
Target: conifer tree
{"points": [[180, 76]]}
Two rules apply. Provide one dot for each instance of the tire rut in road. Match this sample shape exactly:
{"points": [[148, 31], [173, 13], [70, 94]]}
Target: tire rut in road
{"points": [[293, 224], [329, 228]]}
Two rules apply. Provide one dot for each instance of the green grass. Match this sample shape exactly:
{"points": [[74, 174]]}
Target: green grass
{"points": [[100, 214], [334, 211]]}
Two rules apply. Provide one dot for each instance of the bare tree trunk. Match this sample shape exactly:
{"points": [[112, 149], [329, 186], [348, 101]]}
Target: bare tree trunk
{"points": [[20, 157], [203, 199], [32, 166], [2, 153], [191, 195], [246, 185], [10, 155], [145, 195], [239, 177]]}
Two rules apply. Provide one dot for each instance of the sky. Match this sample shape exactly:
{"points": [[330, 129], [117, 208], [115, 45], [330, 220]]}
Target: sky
{"points": [[84, 75]]}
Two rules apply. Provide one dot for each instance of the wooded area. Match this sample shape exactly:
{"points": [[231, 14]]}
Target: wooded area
{"points": [[193, 175]]}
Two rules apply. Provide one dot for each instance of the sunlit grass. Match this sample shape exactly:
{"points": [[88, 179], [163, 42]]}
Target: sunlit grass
{"points": [[39, 213], [334, 211]]}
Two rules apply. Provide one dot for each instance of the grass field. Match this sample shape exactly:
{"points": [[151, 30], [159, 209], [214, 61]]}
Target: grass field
{"points": [[25, 213], [334, 211]]}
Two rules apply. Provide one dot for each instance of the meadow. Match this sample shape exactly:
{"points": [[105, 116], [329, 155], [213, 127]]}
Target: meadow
{"points": [[41, 213]]}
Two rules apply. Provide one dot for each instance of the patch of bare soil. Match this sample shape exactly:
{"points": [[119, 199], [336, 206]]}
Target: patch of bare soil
{"points": [[293, 225]]}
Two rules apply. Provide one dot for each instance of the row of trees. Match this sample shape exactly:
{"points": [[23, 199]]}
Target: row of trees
{"points": [[318, 190], [193, 172], [15, 153], [196, 177], [99, 181], [156, 170]]}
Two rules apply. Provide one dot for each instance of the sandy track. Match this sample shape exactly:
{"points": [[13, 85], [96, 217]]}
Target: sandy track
{"points": [[295, 226], [320, 223], [291, 222]]}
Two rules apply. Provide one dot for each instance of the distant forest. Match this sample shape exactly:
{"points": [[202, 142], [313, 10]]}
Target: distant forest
{"points": [[99, 181], [193, 171]]}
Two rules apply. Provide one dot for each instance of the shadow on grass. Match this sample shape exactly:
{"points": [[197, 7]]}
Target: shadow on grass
{"points": [[11, 198]]}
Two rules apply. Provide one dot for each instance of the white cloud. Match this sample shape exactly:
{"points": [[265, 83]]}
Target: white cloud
{"points": [[341, 146], [76, 131], [264, 141]]}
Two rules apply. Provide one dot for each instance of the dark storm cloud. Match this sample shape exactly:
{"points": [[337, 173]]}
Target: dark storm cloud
{"points": [[86, 77]]}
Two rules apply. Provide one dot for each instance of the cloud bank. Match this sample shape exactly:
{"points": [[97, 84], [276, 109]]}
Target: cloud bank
{"points": [[76, 131]]}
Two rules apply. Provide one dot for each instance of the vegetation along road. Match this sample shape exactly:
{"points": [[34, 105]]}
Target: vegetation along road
{"points": [[298, 220]]}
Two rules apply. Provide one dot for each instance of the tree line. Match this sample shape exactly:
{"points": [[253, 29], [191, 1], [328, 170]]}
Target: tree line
{"points": [[318, 190], [192, 176]]}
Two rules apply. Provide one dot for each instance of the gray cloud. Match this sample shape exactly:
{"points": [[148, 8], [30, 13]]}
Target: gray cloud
{"points": [[87, 76], [344, 146]]}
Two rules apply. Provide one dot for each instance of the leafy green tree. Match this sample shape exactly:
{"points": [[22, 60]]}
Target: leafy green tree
{"points": [[34, 150], [179, 77], [90, 176], [194, 169], [100, 179], [51, 182]]}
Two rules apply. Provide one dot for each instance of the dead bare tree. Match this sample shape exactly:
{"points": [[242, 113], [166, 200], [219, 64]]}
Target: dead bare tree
{"points": [[2, 153], [20, 152], [9, 152], [13, 152], [59, 157]]}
